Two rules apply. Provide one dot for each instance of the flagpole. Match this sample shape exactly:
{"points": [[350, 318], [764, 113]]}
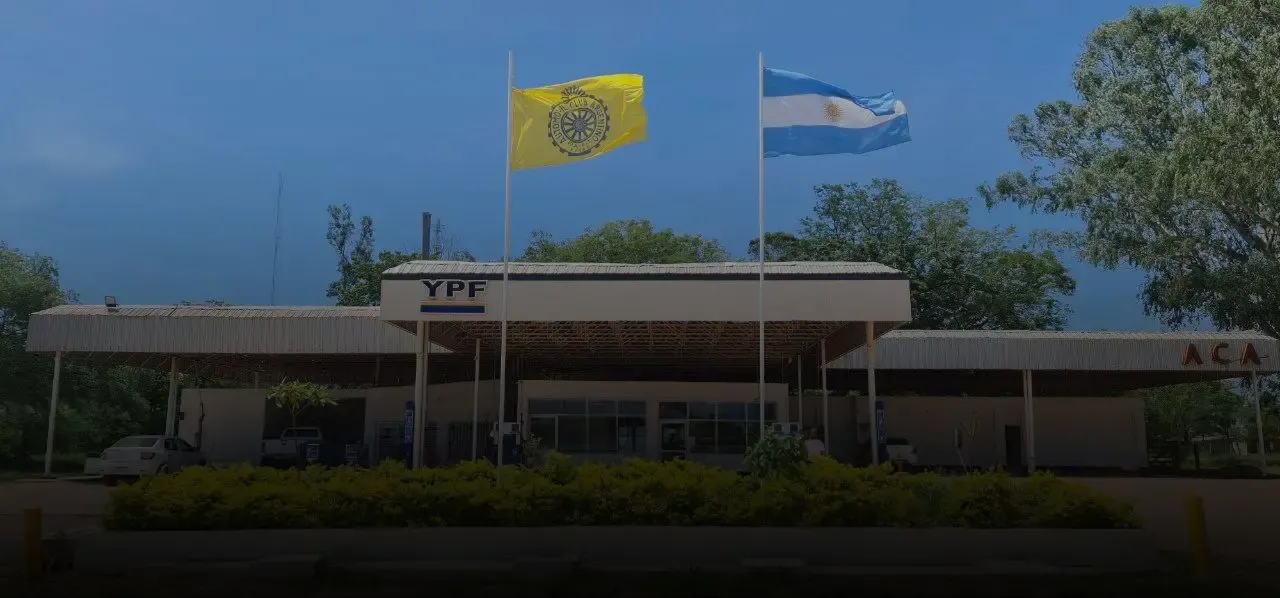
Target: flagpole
{"points": [[760, 244], [506, 274]]}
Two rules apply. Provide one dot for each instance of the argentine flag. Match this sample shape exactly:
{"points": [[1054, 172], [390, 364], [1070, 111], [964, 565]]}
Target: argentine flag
{"points": [[803, 116]]}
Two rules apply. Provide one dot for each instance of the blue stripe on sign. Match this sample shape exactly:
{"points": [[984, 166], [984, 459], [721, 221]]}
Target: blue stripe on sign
{"points": [[819, 141], [779, 83], [453, 309]]}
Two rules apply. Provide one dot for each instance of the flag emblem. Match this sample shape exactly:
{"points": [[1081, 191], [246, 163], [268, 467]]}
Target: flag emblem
{"points": [[832, 112], [578, 123]]}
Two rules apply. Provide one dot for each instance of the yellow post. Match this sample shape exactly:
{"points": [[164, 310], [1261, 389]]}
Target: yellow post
{"points": [[1197, 538], [33, 534]]}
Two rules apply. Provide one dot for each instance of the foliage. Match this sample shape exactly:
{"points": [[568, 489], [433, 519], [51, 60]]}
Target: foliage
{"points": [[962, 278], [1180, 414], [1170, 157], [360, 269], [625, 242], [637, 492], [775, 456], [296, 396]]}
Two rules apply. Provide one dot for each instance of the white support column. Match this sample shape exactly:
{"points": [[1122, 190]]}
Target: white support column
{"points": [[1257, 413], [1029, 418], [171, 408], [53, 413], [871, 393], [418, 389], [826, 420], [800, 391], [475, 408]]}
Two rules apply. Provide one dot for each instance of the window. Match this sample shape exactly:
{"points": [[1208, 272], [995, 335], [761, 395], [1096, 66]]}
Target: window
{"points": [[719, 428], [580, 426], [136, 442], [183, 446]]}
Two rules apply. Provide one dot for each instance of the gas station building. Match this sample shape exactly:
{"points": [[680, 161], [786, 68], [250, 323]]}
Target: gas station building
{"points": [[610, 361]]}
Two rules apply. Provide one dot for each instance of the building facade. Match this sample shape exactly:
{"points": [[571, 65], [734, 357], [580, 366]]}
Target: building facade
{"points": [[609, 361]]}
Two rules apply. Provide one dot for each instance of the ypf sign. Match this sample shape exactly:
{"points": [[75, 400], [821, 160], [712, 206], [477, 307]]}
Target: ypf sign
{"points": [[454, 296]]}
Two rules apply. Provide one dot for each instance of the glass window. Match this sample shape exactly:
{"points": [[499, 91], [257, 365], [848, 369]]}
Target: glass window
{"points": [[631, 435], [731, 437], [136, 442], [753, 432], [571, 434], [753, 411], [183, 446], [732, 411], [771, 412], [544, 407], [632, 408], [703, 435], [702, 411], [673, 410], [544, 428], [602, 408], [602, 434]]}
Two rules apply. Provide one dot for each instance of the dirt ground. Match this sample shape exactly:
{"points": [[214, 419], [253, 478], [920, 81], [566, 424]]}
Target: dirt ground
{"points": [[1241, 515]]}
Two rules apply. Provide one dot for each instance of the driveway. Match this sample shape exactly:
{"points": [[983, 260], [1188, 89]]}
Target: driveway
{"points": [[1240, 515], [66, 505]]}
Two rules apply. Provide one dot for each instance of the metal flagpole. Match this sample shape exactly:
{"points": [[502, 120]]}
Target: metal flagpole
{"points": [[475, 407], [760, 244], [1257, 412], [506, 273], [800, 389]]}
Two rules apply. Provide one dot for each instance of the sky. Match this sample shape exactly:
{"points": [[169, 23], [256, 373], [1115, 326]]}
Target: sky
{"points": [[140, 142]]}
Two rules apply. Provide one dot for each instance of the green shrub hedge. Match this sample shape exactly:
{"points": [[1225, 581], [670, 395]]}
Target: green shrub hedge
{"points": [[637, 492]]}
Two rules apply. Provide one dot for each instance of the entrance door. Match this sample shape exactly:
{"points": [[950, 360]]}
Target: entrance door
{"points": [[1013, 446], [675, 440]]}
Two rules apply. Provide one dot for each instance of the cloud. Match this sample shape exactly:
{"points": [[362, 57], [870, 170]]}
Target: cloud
{"points": [[67, 152]]}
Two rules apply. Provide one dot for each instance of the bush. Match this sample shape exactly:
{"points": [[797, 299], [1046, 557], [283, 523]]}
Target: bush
{"points": [[637, 492]]}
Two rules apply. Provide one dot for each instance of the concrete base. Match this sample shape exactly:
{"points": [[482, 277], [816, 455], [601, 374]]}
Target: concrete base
{"points": [[563, 549]]}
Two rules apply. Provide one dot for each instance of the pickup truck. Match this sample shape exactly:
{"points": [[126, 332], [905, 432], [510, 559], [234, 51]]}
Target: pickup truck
{"points": [[286, 447]]}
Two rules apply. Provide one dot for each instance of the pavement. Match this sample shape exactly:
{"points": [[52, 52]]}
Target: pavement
{"points": [[1239, 513]]}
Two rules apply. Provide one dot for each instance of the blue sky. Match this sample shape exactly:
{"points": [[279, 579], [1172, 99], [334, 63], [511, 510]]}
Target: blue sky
{"points": [[140, 141]]}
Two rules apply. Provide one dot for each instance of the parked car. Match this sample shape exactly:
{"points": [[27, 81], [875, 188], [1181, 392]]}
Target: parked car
{"points": [[286, 447], [135, 456]]}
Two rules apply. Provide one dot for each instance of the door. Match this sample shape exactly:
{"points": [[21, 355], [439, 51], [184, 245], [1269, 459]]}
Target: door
{"points": [[1013, 446], [675, 440]]}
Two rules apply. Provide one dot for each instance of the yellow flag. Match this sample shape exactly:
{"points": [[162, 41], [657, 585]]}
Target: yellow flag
{"points": [[575, 121]]}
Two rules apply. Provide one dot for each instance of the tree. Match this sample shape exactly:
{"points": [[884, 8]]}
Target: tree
{"points": [[961, 277], [360, 271], [1171, 157], [625, 242], [1182, 414], [296, 396]]}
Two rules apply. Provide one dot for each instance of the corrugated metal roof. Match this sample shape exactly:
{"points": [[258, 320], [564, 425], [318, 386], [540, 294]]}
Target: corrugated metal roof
{"points": [[443, 268], [1058, 351], [243, 330]]}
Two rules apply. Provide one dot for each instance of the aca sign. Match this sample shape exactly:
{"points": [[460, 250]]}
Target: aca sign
{"points": [[454, 296], [1222, 354]]}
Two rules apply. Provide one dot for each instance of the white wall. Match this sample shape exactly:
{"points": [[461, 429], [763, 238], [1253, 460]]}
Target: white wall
{"points": [[1069, 432], [668, 301], [1074, 431]]}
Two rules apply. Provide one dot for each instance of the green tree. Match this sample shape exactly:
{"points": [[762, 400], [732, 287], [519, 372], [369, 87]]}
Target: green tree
{"points": [[961, 277], [1171, 157], [625, 242], [296, 396], [360, 270], [1179, 415]]}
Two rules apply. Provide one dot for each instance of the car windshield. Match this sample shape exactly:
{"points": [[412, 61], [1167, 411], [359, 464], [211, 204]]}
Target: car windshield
{"points": [[136, 442]]}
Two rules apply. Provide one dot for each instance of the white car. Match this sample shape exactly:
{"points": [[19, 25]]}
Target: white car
{"points": [[136, 456]]}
